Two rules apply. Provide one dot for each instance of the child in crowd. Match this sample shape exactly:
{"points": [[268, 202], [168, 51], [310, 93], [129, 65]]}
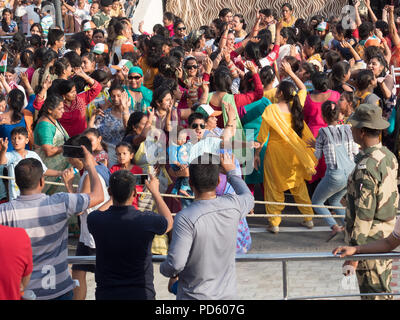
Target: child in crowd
{"points": [[179, 160], [99, 147], [337, 145], [19, 140], [125, 155]]}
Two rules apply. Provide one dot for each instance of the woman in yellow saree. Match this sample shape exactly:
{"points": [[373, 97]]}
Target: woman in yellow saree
{"points": [[288, 161]]}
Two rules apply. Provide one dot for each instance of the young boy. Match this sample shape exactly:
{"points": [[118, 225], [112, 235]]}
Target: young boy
{"points": [[19, 139]]}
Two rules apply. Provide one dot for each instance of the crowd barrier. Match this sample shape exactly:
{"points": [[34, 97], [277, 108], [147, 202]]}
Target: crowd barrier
{"points": [[249, 215], [285, 259]]}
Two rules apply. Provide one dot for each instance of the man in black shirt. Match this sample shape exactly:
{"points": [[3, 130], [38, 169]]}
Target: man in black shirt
{"points": [[123, 237]]}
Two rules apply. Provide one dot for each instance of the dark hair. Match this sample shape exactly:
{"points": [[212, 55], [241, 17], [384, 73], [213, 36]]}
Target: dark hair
{"points": [[222, 80], [73, 45], [309, 68], [314, 42], [96, 133], [65, 86], [265, 37], [330, 111], [36, 41], [116, 86], [253, 52], [74, 59], [267, 12], [287, 5], [294, 63], [267, 75], [208, 32], [332, 57], [79, 140], [48, 57], [365, 29], [169, 16], [54, 35], [99, 75], [159, 94], [339, 70], [59, 66], [288, 90], [364, 78], [98, 31], [155, 50], [349, 96], [195, 116], [119, 26], [320, 81], [289, 34], [20, 130], [52, 101], [122, 186], [4, 25], [28, 173], [133, 121], [204, 177], [177, 23], [301, 30], [382, 61], [26, 58], [168, 66], [241, 20], [126, 145], [383, 26], [224, 12], [16, 103], [177, 52], [38, 25]]}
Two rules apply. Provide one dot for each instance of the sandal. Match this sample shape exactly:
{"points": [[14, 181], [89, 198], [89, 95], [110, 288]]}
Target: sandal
{"points": [[335, 231]]}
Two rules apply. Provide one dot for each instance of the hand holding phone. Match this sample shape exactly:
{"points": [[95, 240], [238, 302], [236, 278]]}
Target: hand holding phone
{"points": [[73, 152]]}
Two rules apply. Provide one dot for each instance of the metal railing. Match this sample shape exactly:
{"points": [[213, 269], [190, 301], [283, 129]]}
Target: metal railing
{"points": [[284, 258]]}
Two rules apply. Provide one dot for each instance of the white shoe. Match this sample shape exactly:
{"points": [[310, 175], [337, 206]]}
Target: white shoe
{"points": [[273, 229], [308, 224]]}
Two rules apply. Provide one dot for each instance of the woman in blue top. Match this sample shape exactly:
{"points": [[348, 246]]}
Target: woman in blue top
{"points": [[13, 117]]}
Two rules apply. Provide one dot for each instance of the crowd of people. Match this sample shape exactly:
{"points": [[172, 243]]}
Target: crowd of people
{"points": [[149, 104]]}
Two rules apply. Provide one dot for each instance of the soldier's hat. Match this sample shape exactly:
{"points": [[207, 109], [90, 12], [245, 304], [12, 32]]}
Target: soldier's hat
{"points": [[368, 116]]}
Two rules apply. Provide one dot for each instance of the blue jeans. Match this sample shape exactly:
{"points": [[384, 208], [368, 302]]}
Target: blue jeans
{"points": [[332, 188]]}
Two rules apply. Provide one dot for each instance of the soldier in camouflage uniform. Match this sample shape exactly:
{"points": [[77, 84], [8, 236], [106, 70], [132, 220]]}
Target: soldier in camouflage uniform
{"points": [[372, 198]]}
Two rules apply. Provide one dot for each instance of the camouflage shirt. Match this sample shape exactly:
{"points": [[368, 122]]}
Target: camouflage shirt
{"points": [[372, 196], [101, 20]]}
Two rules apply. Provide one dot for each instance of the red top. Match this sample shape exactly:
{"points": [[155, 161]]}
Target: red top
{"points": [[134, 170], [74, 117], [16, 261]]}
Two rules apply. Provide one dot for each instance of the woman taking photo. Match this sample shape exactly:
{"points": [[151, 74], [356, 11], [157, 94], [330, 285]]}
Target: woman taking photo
{"points": [[288, 161]]}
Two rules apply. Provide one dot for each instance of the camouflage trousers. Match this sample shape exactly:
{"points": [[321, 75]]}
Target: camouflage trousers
{"points": [[374, 276]]}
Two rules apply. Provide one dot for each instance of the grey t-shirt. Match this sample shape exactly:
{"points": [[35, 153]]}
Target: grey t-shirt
{"points": [[203, 245]]}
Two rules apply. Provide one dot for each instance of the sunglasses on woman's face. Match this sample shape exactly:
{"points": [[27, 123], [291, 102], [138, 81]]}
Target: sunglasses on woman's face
{"points": [[181, 28], [134, 77], [191, 67], [196, 125]]}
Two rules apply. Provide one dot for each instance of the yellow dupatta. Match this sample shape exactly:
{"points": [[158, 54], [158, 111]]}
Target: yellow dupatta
{"points": [[273, 116]]}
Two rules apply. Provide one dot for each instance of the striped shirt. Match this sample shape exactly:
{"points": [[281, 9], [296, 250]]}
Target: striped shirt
{"points": [[324, 146], [45, 219]]}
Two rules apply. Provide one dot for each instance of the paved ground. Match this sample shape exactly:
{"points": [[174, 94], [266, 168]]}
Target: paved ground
{"points": [[263, 280]]}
